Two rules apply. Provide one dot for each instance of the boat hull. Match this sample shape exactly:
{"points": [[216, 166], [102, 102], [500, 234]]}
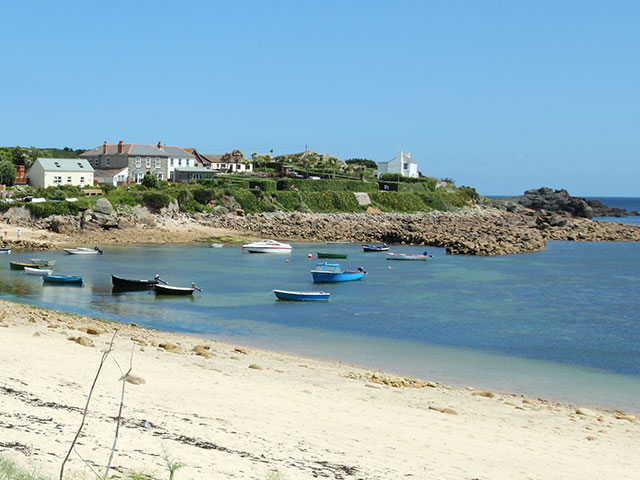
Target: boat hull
{"points": [[331, 255], [37, 271], [79, 251], [170, 290], [5, 250], [332, 277], [375, 248], [407, 257], [127, 284], [267, 246], [301, 296], [21, 265], [63, 279]]}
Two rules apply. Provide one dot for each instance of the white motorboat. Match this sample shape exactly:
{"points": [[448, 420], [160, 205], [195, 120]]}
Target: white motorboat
{"points": [[216, 245], [83, 251], [37, 271], [267, 246]]}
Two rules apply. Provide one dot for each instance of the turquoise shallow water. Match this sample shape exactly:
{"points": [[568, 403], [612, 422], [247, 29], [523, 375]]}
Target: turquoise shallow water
{"points": [[562, 323]]}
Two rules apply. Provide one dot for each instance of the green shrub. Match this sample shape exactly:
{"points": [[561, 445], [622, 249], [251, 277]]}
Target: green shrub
{"points": [[191, 206], [131, 199], [46, 209], [156, 200], [289, 201], [204, 195], [150, 181], [262, 184], [249, 201]]}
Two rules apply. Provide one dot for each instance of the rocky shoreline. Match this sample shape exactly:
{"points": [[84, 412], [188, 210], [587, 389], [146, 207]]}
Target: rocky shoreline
{"points": [[476, 230]]}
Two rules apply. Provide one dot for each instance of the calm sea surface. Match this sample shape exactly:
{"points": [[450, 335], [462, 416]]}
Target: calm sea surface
{"points": [[562, 323]]}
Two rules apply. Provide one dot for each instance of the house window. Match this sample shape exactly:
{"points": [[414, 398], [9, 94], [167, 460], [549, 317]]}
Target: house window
{"points": [[68, 179], [157, 162], [179, 162], [148, 162], [81, 180], [138, 162], [187, 160], [160, 176], [172, 162], [57, 179], [108, 162]]}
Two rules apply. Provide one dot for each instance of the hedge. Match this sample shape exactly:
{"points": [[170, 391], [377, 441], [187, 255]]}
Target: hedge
{"points": [[262, 184], [289, 201], [307, 185], [156, 200], [328, 202], [204, 195], [399, 202]]}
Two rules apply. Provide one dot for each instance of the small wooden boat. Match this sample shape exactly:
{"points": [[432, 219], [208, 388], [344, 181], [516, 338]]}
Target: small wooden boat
{"points": [[379, 247], [216, 245], [267, 246], [83, 251], [408, 256], [171, 290], [64, 279], [332, 272], [37, 271], [5, 250], [301, 296], [42, 261], [331, 255], [21, 265], [128, 284]]}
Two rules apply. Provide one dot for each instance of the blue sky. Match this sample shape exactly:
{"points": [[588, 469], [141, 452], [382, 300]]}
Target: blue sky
{"points": [[499, 95]]}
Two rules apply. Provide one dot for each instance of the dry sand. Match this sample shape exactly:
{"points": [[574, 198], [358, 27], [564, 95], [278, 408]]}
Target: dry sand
{"points": [[235, 412]]}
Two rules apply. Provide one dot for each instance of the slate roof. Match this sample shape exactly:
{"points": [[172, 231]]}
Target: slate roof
{"points": [[129, 149], [65, 164], [177, 152]]}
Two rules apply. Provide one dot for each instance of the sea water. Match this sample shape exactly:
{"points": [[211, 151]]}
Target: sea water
{"points": [[561, 323]]}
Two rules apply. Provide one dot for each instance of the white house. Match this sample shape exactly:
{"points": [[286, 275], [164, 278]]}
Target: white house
{"points": [[47, 172], [401, 164], [115, 176]]}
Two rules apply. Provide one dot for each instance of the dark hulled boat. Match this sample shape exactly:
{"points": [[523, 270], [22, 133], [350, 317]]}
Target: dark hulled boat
{"points": [[123, 284]]}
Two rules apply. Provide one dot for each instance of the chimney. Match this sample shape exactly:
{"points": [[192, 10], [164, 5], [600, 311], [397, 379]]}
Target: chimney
{"points": [[159, 144], [104, 147], [120, 146]]}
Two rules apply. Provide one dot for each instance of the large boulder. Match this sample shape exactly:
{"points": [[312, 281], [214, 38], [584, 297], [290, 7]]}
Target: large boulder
{"points": [[61, 224], [103, 206]]}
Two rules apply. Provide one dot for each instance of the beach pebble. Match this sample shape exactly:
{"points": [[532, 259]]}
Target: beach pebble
{"points": [[629, 418], [135, 379], [255, 366], [93, 331], [240, 350], [586, 412], [84, 341], [36, 334], [591, 438], [483, 394], [170, 347], [202, 351]]}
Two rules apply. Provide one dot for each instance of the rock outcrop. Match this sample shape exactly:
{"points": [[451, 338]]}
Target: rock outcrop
{"points": [[560, 201]]}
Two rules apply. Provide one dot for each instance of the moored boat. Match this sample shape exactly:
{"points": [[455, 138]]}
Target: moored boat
{"points": [[42, 261], [83, 251], [267, 246], [37, 271], [332, 272], [407, 256], [21, 265], [5, 250], [378, 247], [129, 284], [65, 279], [171, 290], [331, 255], [216, 245], [301, 296]]}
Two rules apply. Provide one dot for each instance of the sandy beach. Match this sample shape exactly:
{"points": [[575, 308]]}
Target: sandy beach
{"points": [[228, 411]]}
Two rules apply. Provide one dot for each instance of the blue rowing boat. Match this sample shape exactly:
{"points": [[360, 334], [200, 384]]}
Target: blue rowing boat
{"points": [[301, 296], [67, 279], [332, 272]]}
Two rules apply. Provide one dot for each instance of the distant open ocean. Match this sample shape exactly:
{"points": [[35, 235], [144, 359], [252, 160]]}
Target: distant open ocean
{"points": [[563, 323]]}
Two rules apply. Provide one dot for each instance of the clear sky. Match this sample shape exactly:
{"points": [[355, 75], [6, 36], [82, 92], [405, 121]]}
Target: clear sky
{"points": [[500, 95]]}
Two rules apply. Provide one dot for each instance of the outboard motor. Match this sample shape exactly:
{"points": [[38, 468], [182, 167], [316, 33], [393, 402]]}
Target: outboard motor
{"points": [[362, 270]]}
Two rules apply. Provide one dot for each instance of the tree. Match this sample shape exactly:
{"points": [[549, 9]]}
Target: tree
{"points": [[7, 173], [362, 161], [150, 181]]}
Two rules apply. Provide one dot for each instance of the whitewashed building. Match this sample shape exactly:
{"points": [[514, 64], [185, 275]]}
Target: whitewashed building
{"points": [[48, 172], [401, 164]]}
